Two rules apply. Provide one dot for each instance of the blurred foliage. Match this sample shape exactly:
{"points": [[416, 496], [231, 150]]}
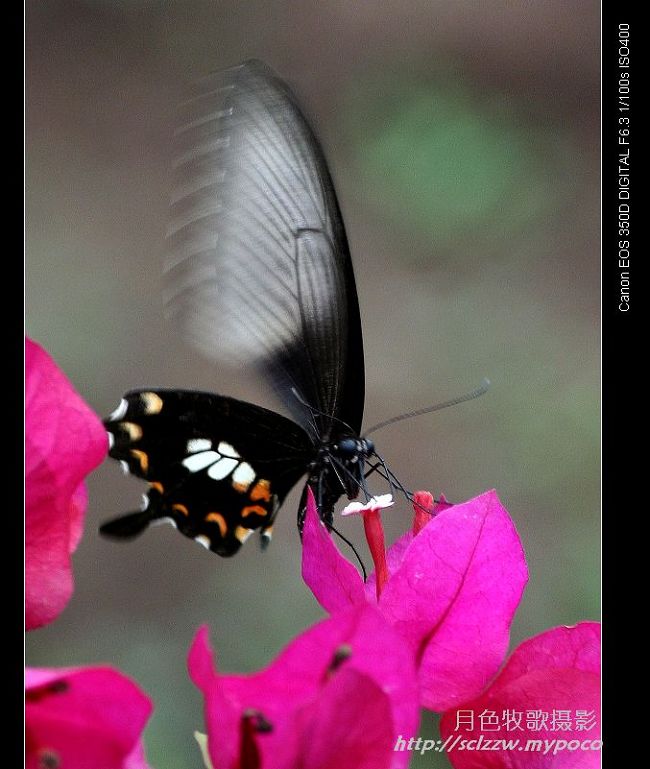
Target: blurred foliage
{"points": [[458, 167]]}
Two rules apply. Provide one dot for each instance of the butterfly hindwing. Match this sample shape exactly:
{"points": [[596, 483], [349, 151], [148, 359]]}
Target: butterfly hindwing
{"points": [[218, 468]]}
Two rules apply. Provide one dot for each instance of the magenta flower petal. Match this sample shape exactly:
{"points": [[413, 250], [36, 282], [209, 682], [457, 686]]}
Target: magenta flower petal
{"points": [[348, 726], [84, 717], [551, 686], [454, 595], [220, 710], [275, 718], [576, 647], [64, 441], [334, 581], [136, 758], [78, 505]]}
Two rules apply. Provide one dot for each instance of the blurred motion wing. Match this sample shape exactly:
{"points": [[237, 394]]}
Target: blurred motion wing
{"points": [[258, 268]]}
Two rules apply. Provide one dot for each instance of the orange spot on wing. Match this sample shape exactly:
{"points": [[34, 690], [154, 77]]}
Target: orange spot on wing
{"points": [[219, 520], [261, 490], [253, 509], [142, 458], [240, 487], [180, 509], [157, 485]]}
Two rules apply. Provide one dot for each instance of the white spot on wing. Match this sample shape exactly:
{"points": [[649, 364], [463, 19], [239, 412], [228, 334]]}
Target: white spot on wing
{"points": [[111, 440], [164, 521], [125, 466], [145, 502], [243, 474], [120, 411], [203, 540], [200, 461], [198, 444], [222, 468], [227, 450]]}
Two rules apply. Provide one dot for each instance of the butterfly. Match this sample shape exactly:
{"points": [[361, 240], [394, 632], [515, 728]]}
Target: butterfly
{"points": [[258, 273]]}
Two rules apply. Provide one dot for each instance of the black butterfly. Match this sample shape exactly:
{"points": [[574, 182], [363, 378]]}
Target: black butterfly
{"points": [[259, 272]]}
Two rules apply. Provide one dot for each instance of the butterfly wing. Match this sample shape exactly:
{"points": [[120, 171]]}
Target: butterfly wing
{"points": [[259, 269], [218, 468]]}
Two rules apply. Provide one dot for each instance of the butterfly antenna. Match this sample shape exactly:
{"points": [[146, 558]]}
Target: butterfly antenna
{"points": [[354, 550], [314, 410], [480, 390]]}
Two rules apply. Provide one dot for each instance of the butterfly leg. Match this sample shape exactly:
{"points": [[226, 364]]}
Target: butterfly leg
{"points": [[324, 501], [373, 468]]}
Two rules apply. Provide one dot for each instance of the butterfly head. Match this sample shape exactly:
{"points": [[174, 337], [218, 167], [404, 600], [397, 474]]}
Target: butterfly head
{"points": [[353, 449], [348, 457]]}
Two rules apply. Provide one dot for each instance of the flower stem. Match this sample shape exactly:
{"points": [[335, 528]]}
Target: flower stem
{"points": [[374, 530], [423, 507]]}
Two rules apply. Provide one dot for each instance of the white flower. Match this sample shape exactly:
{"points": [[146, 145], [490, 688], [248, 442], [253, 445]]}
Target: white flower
{"points": [[374, 503]]}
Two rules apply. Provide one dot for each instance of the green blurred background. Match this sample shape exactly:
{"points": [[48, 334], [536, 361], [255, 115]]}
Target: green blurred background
{"points": [[464, 141]]}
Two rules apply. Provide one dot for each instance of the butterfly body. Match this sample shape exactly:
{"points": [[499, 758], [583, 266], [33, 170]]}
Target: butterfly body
{"points": [[258, 273]]}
